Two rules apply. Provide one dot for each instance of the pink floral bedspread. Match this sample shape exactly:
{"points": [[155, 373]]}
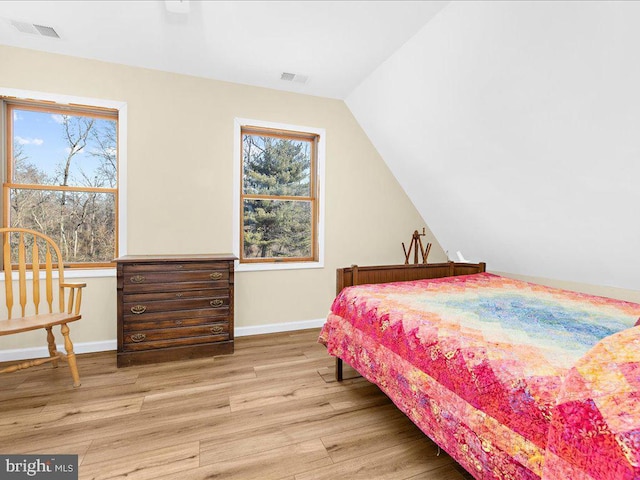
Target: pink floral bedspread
{"points": [[514, 380]]}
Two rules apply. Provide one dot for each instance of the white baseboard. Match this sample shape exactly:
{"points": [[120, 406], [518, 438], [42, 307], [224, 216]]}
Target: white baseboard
{"points": [[279, 327], [40, 352], [106, 345]]}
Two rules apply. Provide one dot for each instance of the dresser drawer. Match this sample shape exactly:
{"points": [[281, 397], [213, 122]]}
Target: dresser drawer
{"points": [[173, 266], [175, 316], [174, 293], [143, 308], [170, 337], [185, 320], [147, 281]]}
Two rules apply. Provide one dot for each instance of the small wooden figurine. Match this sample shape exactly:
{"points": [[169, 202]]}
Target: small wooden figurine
{"points": [[416, 243]]}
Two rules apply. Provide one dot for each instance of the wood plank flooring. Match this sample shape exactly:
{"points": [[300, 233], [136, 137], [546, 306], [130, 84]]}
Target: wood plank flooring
{"points": [[272, 410]]}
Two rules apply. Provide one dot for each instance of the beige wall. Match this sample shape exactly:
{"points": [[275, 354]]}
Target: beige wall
{"points": [[180, 170]]}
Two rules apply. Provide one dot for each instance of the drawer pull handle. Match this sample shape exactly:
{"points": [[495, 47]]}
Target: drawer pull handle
{"points": [[179, 266], [138, 309], [217, 329], [178, 322], [179, 295], [138, 337], [216, 303], [137, 279], [215, 276]]}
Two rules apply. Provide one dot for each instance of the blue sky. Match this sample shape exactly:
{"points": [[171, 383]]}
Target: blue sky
{"points": [[41, 136]]}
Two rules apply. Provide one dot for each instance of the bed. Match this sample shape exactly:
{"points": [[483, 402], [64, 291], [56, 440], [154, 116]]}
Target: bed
{"points": [[514, 380]]}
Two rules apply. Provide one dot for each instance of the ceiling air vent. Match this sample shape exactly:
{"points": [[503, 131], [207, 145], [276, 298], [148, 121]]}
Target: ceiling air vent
{"points": [[294, 77], [177, 6], [34, 29], [24, 27], [46, 31]]}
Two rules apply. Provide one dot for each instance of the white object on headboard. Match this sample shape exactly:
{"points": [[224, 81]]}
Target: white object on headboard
{"points": [[461, 258]]}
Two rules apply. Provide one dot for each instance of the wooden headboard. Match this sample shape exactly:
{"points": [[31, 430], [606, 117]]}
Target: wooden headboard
{"points": [[355, 275]]}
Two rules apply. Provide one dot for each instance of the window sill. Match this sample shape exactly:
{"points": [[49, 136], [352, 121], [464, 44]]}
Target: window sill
{"points": [[75, 273], [90, 272], [262, 267]]}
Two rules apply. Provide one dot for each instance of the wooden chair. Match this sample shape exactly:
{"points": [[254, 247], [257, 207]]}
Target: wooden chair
{"points": [[26, 251]]}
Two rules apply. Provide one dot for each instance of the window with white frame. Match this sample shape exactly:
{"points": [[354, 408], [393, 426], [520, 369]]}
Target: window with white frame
{"points": [[279, 200], [61, 176]]}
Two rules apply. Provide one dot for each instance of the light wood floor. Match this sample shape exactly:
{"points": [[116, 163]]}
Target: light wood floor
{"points": [[272, 410]]}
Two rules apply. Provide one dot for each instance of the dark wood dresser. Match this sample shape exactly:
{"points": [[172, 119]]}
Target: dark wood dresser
{"points": [[174, 307]]}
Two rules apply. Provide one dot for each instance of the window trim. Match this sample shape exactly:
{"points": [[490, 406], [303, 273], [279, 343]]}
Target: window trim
{"points": [[257, 125], [93, 106]]}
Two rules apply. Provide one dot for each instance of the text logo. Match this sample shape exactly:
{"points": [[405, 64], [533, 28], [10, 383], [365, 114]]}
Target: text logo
{"points": [[49, 467]]}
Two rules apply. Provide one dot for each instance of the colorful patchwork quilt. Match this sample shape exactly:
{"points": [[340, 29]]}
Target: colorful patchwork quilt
{"points": [[514, 380]]}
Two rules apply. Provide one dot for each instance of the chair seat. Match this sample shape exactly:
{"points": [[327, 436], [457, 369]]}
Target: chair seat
{"points": [[35, 322]]}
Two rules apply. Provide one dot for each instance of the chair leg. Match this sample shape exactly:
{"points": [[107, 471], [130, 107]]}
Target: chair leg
{"points": [[71, 357], [51, 342]]}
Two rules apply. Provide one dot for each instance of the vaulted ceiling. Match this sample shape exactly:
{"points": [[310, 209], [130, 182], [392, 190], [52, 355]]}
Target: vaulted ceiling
{"points": [[330, 45], [512, 126]]}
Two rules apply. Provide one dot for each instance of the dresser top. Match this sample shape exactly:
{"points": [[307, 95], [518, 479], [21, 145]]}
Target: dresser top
{"points": [[178, 258]]}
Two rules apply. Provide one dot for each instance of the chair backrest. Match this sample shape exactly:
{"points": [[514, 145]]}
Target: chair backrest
{"points": [[27, 250]]}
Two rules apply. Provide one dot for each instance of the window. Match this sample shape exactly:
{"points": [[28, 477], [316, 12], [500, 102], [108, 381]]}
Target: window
{"points": [[61, 177], [279, 194]]}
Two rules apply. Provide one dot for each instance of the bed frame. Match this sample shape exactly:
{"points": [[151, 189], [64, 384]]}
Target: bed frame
{"points": [[355, 275]]}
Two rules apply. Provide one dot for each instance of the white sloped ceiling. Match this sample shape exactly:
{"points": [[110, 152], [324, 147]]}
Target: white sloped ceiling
{"points": [[514, 127]]}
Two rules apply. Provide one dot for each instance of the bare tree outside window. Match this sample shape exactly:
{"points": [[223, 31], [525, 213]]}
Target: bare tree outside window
{"points": [[62, 179]]}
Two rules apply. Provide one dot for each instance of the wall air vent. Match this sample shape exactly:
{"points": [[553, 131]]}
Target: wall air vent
{"points": [[294, 77], [34, 29]]}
